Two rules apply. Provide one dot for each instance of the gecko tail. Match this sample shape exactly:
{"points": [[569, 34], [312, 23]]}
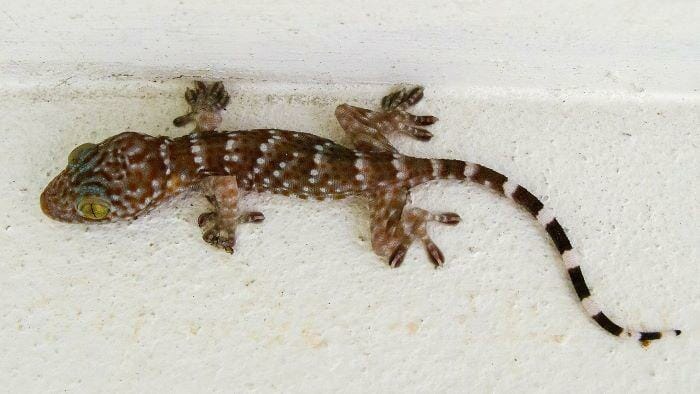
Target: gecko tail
{"points": [[499, 183]]}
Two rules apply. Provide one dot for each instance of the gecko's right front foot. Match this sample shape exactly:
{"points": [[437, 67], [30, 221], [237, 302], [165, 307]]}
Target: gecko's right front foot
{"points": [[217, 232], [206, 103], [221, 232]]}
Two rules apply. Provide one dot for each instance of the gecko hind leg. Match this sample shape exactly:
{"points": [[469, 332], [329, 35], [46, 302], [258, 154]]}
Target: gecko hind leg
{"points": [[394, 228], [206, 103], [368, 129], [219, 226]]}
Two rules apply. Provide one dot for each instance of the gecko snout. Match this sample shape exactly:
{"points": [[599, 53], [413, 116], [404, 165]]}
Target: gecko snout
{"points": [[53, 201]]}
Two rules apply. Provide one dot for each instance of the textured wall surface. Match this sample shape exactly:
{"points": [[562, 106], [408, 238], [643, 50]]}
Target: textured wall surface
{"points": [[595, 108]]}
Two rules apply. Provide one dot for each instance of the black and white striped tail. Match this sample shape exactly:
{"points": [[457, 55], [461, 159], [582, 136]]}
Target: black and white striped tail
{"points": [[455, 169]]}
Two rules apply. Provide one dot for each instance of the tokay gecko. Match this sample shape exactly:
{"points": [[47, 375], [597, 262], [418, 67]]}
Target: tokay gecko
{"points": [[129, 174]]}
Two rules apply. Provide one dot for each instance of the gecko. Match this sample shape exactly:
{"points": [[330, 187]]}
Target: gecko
{"points": [[129, 174]]}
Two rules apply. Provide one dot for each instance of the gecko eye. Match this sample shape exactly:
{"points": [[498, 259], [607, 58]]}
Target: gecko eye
{"points": [[79, 152], [93, 207]]}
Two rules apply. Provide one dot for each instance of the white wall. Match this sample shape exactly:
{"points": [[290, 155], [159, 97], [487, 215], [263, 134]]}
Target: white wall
{"points": [[630, 46], [594, 107]]}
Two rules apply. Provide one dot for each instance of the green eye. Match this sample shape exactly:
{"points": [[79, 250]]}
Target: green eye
{"points": [[79, 152], [93, 207]]}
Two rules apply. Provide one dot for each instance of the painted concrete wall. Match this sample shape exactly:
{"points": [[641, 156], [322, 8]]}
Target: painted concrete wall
{"points": [[594, 107]]}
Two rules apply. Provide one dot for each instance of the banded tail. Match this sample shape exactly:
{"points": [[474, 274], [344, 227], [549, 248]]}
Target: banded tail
{"points": [[429, 169]]}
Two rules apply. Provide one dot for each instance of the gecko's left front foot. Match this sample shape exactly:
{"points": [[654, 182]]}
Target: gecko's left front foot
{"points": [[206, 103]]}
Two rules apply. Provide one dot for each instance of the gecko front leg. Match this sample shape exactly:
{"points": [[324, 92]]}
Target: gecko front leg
{"points": [[206, 103], [219, 226]]}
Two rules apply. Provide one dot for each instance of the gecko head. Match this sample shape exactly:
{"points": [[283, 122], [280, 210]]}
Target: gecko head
{"points": [[118, 178]]}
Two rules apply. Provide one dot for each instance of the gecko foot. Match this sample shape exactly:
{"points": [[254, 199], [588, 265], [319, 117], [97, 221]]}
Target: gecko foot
{"points": [[221, 233], [415, 225], [216, 234], [206, 103], [395, 105], [402, 99]]}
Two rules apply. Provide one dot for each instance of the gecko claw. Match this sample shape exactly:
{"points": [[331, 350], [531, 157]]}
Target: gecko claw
{"points": [[190, 96], [251, 217], [435, 254], [418, 133], [402, 99], [449, 218], [205, 218], [220, 238], [183, 120], [397, 257], [217, 233]]}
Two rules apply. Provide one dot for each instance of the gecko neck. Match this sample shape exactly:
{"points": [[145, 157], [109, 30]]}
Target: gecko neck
{"points": [[193, 157]]}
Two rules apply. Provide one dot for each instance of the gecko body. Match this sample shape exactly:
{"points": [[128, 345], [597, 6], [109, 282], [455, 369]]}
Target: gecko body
{"points": [[129, 174]]}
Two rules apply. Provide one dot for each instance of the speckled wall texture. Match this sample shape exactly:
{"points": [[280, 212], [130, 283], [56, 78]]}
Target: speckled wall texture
{"points": [[593, 107]]}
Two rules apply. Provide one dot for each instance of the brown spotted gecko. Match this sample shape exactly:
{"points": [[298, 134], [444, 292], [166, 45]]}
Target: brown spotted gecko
{"points": [[129, 174]]}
